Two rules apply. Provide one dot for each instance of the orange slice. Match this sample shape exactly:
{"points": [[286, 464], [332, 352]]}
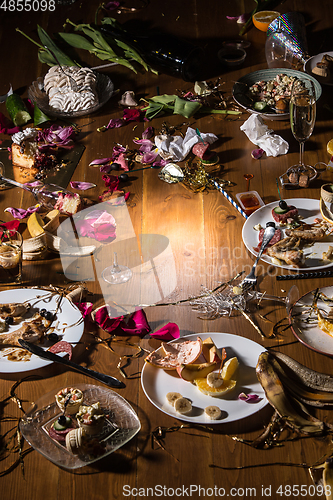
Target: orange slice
{"points": [[263, 19], [206, 389]]}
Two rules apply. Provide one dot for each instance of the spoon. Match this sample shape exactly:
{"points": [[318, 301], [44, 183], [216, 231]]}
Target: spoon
{"points": [[248, 177]]}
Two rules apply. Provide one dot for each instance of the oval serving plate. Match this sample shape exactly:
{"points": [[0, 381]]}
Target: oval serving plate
{"points": [[240, 89]]}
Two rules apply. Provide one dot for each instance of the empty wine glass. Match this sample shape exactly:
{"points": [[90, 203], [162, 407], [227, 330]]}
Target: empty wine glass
{"points": [[46, 194], [302, 109], [116, 273], [289, 300]]}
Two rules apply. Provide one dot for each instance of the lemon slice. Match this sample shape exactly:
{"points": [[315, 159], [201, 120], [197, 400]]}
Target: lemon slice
{"points": [[329, 147], [229, 368], [263, 19], [203, 387]]}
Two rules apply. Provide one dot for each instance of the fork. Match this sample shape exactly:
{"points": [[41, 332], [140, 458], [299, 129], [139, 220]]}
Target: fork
{"points": [[250, 280]]}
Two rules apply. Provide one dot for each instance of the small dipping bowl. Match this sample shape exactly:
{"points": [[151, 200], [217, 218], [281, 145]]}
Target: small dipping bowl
{"points": [[249, 201], [231, 55]]}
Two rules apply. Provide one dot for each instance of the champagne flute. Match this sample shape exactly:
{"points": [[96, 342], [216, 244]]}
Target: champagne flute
{"points": [[302, 109], [116, 273]]}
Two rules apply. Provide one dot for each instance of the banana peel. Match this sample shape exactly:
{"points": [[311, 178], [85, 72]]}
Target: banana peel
{"points": [[290, 409]]}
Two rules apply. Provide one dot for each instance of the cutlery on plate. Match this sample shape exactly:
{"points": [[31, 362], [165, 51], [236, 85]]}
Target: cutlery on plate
{"points": [[250, 280], [39, 351]]}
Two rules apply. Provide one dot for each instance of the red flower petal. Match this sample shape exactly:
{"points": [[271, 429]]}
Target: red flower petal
{"points": [[167, 332]]}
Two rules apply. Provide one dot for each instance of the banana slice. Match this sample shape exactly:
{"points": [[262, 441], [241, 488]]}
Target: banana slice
{"points": [[172, 397], [214, 379], [213, 412], [183, 406]]}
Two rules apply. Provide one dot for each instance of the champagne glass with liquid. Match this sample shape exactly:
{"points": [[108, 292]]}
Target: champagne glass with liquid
{"points": [[302, 109]]}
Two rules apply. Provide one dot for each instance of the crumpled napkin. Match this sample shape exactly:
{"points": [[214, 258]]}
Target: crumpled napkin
{"points": [[263, 137], [176, 148]]}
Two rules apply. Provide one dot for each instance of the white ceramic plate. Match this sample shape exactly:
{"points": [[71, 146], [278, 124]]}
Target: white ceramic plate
{"points": [[241, 87], [312, 63], [121, 425], [68, 323], [309, 210], [156, 383], [309, 334]]}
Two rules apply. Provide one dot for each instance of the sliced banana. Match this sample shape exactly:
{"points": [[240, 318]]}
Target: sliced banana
{"points": [[214, 379], [183, 405], [213, 412], [172, 396]]}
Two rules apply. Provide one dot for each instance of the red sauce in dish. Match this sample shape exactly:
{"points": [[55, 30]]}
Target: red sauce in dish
{"points": [[250, 203]]}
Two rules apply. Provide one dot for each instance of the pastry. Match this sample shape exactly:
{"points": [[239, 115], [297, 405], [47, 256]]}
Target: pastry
{"points": [[69, 400], [91, 418]]}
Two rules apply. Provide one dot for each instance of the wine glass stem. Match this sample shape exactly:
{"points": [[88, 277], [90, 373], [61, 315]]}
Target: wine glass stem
{"points": [[115, 262], [301, 154]]}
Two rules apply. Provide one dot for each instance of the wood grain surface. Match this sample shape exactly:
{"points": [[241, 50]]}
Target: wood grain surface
{"points": [[204, 234]]}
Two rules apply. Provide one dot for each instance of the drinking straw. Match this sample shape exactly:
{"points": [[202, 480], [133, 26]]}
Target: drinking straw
{"points": [[226, 195], [316, 274]]}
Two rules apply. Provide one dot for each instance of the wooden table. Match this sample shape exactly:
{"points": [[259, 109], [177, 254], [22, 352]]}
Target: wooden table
{"points": [[204, 233]]}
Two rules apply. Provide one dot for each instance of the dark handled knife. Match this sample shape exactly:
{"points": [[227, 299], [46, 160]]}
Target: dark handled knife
{"points": [[106, 379]]}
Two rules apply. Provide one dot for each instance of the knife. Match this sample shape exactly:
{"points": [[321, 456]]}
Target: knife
{"points": [[39, 351]]}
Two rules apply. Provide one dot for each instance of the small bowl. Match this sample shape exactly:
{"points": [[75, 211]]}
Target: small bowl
{"points": [[231, 56], [249, 201]]}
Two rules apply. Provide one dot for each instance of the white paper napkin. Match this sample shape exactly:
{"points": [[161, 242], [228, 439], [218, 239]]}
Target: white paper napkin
{"points": [[260, 135], [176, 148]]}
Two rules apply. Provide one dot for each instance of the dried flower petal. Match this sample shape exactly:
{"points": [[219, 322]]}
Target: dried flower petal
{"points": [[115, 123], [21, 213], [257, 153], [83, 186], [148, 133], [100, 161], [131, 115], [249, 398]]}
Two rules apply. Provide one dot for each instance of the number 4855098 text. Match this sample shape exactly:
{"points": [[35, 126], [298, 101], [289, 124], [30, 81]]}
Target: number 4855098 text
{"points": [[27, 5]]}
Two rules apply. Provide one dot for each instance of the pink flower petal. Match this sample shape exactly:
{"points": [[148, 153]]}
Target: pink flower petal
{"points": [[104, 218], [100, 161], [111, 5], [249, 398], [148, 157], [82, 186], [122, 161], [85, 308], [131, 114], [167, 332], [257, 153], [136, 324], [148, 133], [21, 213], [115, 123]]}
